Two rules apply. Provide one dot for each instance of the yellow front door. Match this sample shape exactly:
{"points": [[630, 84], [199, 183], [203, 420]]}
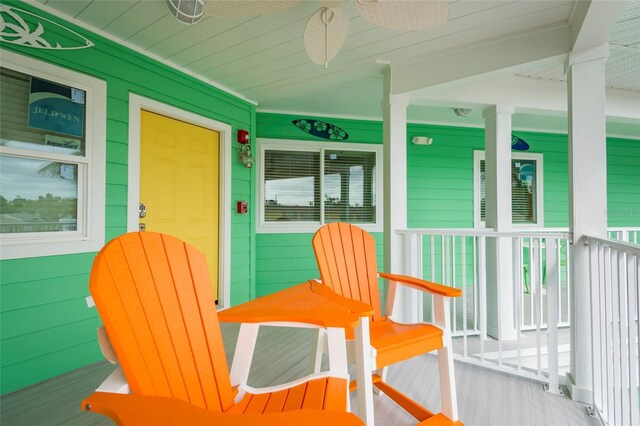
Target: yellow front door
{"points": [[179, 183]]}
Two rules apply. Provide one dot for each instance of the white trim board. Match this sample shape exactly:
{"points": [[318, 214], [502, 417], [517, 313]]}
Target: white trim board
{"points": [[138, 103]]}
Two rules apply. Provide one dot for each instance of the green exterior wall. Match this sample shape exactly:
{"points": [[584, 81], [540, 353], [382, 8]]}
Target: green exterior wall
{"points": [[440, 187], [46, 327]]}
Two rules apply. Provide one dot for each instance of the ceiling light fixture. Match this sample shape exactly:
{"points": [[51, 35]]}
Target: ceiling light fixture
{"points": [[186, 11], [462, 112]]}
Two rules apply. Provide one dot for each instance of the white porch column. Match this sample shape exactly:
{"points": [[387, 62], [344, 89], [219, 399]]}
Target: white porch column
{"points": [[587, 200], [500, 288], [394, 129]]}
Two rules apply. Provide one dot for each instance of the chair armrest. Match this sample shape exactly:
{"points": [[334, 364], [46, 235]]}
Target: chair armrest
{"points": [[422, 285], [157, 411]]}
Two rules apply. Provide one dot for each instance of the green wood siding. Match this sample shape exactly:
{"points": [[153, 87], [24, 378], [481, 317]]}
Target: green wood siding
{"points": [[46, 327], [623, 182], [440, 187]]}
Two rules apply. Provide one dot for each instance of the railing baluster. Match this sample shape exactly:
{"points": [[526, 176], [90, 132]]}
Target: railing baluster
{"points": [[552, 315], [596, 347], [609, 338], [624, 352], [532, 275], [632, 307], [482, 284], [517, 279], [475, 283], [463, 256], [537, 314], [453, 281]]}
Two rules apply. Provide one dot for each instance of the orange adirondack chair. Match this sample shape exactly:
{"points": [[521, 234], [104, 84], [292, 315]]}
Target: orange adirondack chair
{"points": [[347, 262], [154, 295]]}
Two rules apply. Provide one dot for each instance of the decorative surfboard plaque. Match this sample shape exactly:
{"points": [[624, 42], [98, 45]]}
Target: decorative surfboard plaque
{"points": [[24, 28], [518, 143], [321, 129]]}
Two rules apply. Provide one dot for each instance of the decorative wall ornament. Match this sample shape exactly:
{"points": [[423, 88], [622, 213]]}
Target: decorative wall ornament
{"points": [[321, 129], [24, 28], [519, 144]]}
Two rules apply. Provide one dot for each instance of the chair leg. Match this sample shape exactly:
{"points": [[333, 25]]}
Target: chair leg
{"points": [[318, 347], [447, 383], [382, 372], [445, 359], [244, 353]]}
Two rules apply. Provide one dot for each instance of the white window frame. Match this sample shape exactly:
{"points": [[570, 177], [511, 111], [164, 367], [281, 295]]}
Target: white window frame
{"points": [[263, 144], [538, 158], [91, 169]]}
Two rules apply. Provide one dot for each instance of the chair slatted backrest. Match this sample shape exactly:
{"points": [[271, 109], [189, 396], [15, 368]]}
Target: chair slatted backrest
{"points": [[154, 296], [346, 256]]}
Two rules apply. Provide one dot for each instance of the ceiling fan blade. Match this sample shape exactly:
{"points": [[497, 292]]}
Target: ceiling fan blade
{"points": [[325, 34], [246, 7], [404, 14]]}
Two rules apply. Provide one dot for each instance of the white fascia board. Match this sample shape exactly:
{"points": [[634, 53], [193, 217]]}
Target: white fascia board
{"points": [[527, 94], [475, 61]]}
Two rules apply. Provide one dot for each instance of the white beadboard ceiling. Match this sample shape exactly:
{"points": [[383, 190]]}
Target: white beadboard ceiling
{"points": [[263, 58]]}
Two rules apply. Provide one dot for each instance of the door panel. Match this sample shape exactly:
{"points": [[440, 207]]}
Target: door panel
{"points": [[179, 164]]}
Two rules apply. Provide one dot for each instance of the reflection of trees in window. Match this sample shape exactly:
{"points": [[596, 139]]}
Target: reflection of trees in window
{"points": [[38, 196], [292, 186]]}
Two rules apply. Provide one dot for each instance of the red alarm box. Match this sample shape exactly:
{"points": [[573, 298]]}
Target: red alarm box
{"points": [[243, 207], [243, 136]]}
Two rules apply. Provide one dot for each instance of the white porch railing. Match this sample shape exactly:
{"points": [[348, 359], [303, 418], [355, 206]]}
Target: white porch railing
{"points": [[540, 288], [615, 300]]}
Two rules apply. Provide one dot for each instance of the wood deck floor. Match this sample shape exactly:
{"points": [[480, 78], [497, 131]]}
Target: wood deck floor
{"points": [[484, 397]]}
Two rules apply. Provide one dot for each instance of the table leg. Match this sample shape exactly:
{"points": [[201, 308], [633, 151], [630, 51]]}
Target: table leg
{"points": [[363, 371], [244, 353]]}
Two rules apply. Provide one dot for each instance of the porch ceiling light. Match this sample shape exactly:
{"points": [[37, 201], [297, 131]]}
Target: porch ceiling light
{"points": [[462, 112], [186, 11]]}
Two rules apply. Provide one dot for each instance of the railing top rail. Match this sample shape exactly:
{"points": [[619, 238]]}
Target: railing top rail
{"points": [[484, 232], [629, 248], [623, 228]]}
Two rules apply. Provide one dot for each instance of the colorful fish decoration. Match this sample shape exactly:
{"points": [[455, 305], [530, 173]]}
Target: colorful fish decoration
{"points": [[24, 28], [321, 129]]}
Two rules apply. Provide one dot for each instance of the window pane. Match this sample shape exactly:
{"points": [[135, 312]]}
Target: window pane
{"points": [[41, 115], [292, 186], [37, 196], [523, 191], [349, 186]]}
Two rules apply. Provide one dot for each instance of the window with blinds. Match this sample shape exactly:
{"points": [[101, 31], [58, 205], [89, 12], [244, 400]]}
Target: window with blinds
{"points": [[526, 197], [315, 183]]}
